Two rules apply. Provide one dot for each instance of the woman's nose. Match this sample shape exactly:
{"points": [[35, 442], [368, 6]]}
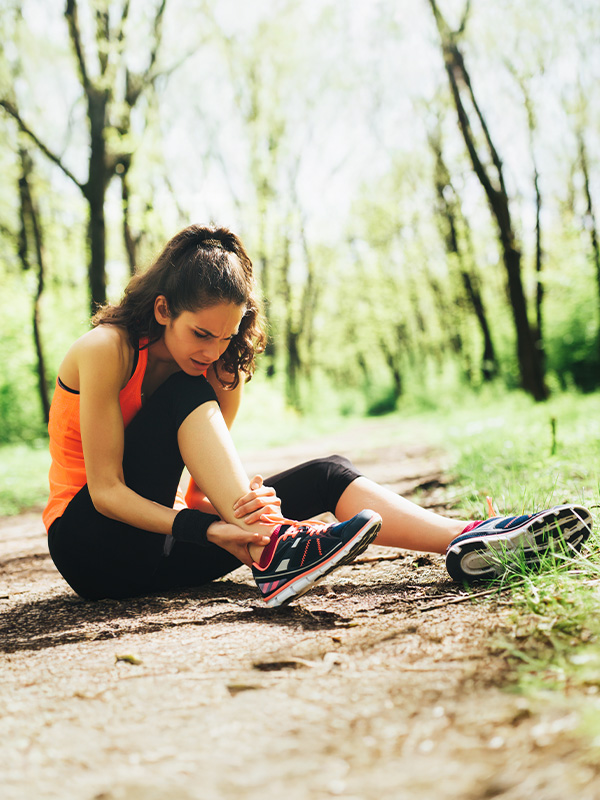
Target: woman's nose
{"points": [[212, 351]]}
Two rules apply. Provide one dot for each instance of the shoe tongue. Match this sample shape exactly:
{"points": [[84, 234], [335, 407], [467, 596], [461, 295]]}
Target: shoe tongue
{"points": [[267, 553]]}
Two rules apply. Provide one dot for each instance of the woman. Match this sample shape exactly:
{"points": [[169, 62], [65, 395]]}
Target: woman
{"points": [[153, 387]]}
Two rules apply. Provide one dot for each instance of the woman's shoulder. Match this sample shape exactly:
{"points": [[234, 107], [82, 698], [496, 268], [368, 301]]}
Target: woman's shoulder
{"points": [[105, 347], [103, 341]]}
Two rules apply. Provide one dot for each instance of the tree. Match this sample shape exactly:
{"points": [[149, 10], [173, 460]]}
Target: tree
{"points": [[31, 229], [590, 222], [275, 115], [451, 220], [491, 177], [111, 90]]}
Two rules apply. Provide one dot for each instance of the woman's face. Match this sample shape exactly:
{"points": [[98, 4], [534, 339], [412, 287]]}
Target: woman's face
{"points": [[196, 339]]}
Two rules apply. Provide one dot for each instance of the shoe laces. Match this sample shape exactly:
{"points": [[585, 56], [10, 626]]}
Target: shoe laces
{"points": [[490, 508], [308, 527]]}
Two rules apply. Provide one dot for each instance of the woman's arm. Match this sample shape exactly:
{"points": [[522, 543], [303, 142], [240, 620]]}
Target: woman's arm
{"points": [[229, 399], [102, 359]]}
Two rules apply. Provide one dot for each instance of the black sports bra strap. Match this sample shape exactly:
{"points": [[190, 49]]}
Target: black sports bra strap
{"points": [[136, 358], [65, 387]]}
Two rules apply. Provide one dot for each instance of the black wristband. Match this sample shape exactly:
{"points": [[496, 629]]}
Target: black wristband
{"points": [[191, 525]]}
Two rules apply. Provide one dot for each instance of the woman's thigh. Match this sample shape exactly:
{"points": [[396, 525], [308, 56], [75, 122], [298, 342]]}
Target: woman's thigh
{"points": [[100, 557]]}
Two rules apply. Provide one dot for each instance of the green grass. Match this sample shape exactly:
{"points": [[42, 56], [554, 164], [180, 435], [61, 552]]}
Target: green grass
{"points": [[23, 477], [529, 456]]}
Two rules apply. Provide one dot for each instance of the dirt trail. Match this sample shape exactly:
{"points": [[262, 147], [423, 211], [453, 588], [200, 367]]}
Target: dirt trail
{"points": [[375, 685]]}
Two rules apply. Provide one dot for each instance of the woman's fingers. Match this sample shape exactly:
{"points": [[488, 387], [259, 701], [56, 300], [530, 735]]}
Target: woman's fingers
{"points": [[257, 504], [254, 500], [259, 514], [235, 540], [224, 533]]}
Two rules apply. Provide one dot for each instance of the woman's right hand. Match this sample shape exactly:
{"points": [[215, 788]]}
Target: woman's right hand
{"points": [[259, 502], [236, 540]]}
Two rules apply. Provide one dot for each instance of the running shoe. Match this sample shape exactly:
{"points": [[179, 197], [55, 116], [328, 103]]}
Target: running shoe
{"points": [[485, 549], [300, 555]]}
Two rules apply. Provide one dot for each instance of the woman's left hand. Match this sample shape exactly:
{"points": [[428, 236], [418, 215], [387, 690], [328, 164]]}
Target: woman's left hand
{"points": [[260, 500]]}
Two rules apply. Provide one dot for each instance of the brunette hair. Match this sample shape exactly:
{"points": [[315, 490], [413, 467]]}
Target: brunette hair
{"points": [[198, 268]]}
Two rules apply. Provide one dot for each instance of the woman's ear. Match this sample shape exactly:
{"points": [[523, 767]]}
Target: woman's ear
{"points": [[161, 310]]}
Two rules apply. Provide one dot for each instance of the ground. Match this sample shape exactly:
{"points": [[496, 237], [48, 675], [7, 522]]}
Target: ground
{"points": [[385, 682]]}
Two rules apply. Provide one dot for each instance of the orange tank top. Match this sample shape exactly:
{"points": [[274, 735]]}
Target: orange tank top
{"points": [[67, 469]]}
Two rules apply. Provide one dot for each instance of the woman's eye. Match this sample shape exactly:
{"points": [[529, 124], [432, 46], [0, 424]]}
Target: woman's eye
{"points": [[199, 335]]}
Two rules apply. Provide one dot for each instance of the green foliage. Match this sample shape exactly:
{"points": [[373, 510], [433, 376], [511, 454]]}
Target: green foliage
{"points": [[21, 413], [23, 477], [20, 410], [528, 455], [384, 404], [309, 140]]}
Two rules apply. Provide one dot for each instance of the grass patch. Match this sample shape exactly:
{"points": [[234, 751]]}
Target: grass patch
{"points": [[23, 477], [527, 456], [530, 456]]}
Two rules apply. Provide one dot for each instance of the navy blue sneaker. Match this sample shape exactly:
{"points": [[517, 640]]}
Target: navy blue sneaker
{"points": [[485, 549], [300, 555]]}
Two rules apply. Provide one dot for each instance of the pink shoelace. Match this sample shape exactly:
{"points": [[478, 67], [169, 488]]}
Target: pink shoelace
{"points": [[491, 513]]}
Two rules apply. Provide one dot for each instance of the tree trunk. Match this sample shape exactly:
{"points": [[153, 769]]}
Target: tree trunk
{"points": [[293, 361], [590, 219], [30, 219], [451, 212], [392, 362], [131, 241], [489, 364], [100, 86], [529, 357], [95, 191], [539, 254]]}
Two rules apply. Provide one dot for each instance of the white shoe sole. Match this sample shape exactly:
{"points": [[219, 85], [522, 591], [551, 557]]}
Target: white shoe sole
{"points": [[562, 527]]}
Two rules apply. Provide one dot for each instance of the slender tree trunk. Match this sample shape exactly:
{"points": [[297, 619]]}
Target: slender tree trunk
{"points": [[451, 213], [539, 286], [392, 362], [448, 315], [95, 191], [30, 221], [539, 253], [129, 239], [529, 359], [590, 219], [308, 305], [293, 362], [489, 364]]}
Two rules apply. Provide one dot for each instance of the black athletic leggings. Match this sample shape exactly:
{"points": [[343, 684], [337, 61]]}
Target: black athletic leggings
{"points": [[102, 558]]}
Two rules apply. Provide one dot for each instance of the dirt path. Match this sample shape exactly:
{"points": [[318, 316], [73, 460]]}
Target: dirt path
{"points": [[375, 685]]}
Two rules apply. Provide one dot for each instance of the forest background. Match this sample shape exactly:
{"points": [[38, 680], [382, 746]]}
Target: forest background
{"points": [[417, 184]]}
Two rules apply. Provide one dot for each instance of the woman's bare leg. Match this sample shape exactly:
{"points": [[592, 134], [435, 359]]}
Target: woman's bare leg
{"points": [[405, 524], [209, 454]]}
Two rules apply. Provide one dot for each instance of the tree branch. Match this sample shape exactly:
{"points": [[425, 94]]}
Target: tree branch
{"points": [[496, 160], [11, 109], [158, 20], [136, 82], [102, 39], [465, 18], [124, 15], [72, 16]]}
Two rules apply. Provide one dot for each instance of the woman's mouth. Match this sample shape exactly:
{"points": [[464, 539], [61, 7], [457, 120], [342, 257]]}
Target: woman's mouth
{"points": [[202, 365]]}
